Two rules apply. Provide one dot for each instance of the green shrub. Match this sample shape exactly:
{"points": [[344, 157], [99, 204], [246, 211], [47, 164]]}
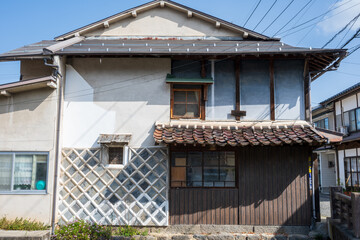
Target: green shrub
{"points": [[22, 224], [82, 230], [128, 231]]}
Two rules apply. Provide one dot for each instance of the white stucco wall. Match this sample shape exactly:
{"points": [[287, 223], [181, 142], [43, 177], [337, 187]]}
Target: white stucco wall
{"points": [[349, 103], [162, 22], [28, 124], [119, 95], [328, 175]]}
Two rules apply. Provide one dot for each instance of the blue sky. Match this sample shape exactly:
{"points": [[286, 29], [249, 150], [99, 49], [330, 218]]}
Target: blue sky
{"points": [[23, 22]]}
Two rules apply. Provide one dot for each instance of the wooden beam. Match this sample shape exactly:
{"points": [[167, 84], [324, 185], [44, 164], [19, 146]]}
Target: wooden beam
{"points": [[238, 113], [237, 85], [5, 93], [203, 69], [272, 91], [307, 91], [315, 173]]}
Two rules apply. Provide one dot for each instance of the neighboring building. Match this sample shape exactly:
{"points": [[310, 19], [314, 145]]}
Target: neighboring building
{"points": [[340, 163], [161, 115]]}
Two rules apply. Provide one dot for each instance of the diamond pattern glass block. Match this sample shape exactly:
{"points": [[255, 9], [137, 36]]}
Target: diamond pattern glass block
{"points": [[127, 196]]}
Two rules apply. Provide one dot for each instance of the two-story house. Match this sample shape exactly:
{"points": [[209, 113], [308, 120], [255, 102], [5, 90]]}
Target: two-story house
{"points": [[340, 162], [161, 115]]}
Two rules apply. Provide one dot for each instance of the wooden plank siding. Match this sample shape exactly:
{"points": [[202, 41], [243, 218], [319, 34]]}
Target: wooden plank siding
{"points": [[272, 189]]}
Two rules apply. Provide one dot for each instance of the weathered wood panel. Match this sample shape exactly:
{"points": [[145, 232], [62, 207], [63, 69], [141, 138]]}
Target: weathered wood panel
{"points": [[272, 189], [208, 206]]}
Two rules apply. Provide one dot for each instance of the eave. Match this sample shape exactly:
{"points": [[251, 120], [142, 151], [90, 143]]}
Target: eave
{"points": [[8, 89]]}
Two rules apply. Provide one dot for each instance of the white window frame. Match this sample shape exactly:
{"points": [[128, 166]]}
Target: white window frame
{"points": [[26, 192], [105, 155]]}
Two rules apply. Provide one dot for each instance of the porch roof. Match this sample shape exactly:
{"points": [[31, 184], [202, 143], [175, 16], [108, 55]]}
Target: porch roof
{"points": [[238, 133]]}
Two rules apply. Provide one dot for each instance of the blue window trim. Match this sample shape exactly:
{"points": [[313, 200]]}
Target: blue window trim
{"points": [[26, 192]]}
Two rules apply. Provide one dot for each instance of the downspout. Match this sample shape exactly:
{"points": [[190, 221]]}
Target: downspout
{"points": [[57, 143]]}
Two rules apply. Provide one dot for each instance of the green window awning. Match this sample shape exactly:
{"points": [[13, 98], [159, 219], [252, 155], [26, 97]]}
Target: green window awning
{"points": [[172, 79]]}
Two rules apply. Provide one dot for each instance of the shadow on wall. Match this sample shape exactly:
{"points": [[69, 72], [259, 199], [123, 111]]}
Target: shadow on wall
{"points": [[272, 190], [29, 101], [119, 80]]}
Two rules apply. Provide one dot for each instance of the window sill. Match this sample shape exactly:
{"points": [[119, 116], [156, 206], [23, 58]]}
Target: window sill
{"points": [[24, 193]]}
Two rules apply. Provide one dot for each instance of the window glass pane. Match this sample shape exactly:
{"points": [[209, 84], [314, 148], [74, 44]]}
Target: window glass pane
{"points": [[211, 159], [192, 110], [338, 121], [227, 175], [353, 164], [227, 158], [326, 123], [41, 172], [23, 172], [193, 97], [5, 172], [115, 155], [352, 126], [179, 109], [178, 159], [194, 159], [211, 176], [194, 176], [358, 119], [346, 119], [179, 96]]}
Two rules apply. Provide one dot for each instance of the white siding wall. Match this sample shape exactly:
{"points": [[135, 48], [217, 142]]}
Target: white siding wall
{"points": [[328, 175]]}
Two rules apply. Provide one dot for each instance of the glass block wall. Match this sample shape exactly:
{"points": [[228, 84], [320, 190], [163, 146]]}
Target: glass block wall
{"points": [[134, 195]]}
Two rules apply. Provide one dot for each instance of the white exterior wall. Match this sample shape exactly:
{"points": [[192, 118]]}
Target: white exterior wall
{"points": [[114, 96], [328, 174], [341, 168], [163, 22], [28, 121], [349, 103], [337, 108]]}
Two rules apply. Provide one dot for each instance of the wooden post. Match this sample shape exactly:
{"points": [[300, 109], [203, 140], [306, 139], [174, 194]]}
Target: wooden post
{"points": [[315, 173], [355, 204], [237, 85], [334, 190], [272, 91]]}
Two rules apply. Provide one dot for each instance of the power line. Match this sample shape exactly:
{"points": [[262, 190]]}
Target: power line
{"points": [[293, 17], [252, 12], [314, 24], [266, 14], [278, 16], [352, 38], [314, 18], [342, 39], [343, 29]]}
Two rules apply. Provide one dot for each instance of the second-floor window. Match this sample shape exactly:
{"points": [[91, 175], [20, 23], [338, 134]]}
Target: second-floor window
{"points": [[186, 102], [352, 120], [323, 123]]}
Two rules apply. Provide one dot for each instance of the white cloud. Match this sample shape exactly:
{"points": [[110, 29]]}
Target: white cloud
{"points": [[339, 17]]}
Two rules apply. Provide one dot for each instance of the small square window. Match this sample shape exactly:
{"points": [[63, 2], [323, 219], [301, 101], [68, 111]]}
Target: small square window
{"points": [[116, 155]]}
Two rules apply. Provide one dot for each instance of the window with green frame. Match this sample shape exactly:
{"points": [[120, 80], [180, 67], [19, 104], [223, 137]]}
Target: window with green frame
{"points": [[203, 169], [20, 172]]}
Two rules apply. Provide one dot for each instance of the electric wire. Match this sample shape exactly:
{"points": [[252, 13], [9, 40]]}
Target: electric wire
{"points": [[278, 16], [257, 5], [347, 32], [314, 24], [343, 29], [292, 18], [266, 14], [319, 16], [352, 38]]}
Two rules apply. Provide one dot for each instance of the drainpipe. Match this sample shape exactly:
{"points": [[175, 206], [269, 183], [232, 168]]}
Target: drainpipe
{"points": [[57, 143]]}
